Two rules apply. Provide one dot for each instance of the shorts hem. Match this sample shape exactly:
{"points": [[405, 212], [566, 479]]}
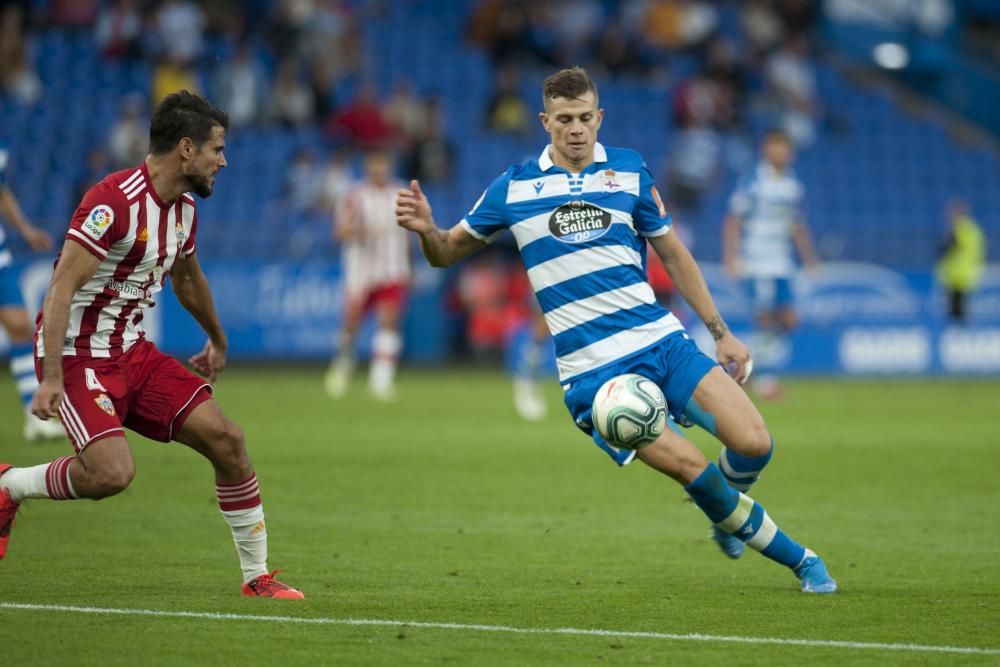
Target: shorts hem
{"points": [[187, 409], [100, 436]]}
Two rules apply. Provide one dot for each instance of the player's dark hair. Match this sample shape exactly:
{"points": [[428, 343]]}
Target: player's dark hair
{"points": [[570, 83], [777, 134], [183, 114]]}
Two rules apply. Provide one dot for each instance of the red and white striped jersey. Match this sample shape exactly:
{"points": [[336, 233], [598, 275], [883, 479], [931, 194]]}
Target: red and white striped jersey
{"points": [[382, 255], [137, 237]]}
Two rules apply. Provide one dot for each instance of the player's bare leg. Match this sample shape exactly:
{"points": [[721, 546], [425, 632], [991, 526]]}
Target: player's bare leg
{"points": [[732, 511], [772, 329], [104, 468], [528, 398], [338, 376], [210, 433], [14, 320], [386, 347]]}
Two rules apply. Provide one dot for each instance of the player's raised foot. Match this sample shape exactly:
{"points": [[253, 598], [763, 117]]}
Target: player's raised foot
{"points": [[8, 509], [266, 586], [38, 430], [336, 381], [528, 400], [731, 545], [813, 575]]}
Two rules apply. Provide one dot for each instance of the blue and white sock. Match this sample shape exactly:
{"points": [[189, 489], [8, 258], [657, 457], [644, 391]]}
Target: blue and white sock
{"points": [[742, 516], [742, 471], [22, 366]]}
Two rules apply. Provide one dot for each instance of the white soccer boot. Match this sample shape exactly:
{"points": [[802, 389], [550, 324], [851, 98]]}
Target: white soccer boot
{"points": [[38, 430], [528, 400]]}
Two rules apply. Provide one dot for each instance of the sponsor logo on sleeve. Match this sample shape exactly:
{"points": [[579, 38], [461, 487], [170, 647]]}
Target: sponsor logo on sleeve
{"points": [[98, 221], [659, 202]]}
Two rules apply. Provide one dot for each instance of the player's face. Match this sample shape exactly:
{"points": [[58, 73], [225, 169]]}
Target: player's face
{"points": [[779, 152], [208, 159], [379, 168], [573, 124]]}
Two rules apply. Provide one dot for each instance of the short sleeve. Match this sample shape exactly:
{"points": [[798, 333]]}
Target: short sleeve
{"points": [[190, 243], [650, 216], [741, 201], [100, 220], [487, 219]]}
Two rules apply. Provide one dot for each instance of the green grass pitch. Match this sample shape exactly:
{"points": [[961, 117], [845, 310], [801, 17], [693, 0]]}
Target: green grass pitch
{"points": [[443, 507]]}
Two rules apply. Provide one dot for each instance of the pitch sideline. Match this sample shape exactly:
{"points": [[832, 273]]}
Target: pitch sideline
{"points": [[583, 632]]}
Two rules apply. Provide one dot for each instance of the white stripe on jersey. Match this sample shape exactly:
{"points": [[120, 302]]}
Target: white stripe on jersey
{"points": [[382, 256], [578, 312], [546, 186], [128, 182], [576, 264], [83, 237], [624, 181], [617, 346]]}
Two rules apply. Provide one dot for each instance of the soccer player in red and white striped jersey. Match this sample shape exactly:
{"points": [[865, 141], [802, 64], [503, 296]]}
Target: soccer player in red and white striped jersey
{"points": [[376, 276], [97, 370]]}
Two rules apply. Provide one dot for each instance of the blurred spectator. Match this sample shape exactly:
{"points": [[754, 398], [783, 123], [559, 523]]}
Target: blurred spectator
{"points": [[129, 139], [336, 180], [361, 122], [693, 165], [239, 87], [292, 102], [118, 29], [507, 111], [619, 50], [962, 259], [432, 156], [791, 83], [180, 27], [303, 184], [762, 26], [322, 82], [72, 13], [405, 112], [17, 75], [172, 75], [99, 165], [574, 28], [679, 24]]}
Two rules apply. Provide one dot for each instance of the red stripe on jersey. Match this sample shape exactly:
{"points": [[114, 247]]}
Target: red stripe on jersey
{"points": [[92, 314]]}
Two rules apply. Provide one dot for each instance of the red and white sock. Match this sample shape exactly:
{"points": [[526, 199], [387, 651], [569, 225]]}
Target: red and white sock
{"points": [[386, 346], [49, 480], [243, 511]]}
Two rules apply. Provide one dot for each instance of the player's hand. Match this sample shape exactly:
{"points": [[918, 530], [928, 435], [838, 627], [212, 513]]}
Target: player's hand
{"points": [[413, 211], [210, 361], [734, 357], [47, 399], [38, 239]]}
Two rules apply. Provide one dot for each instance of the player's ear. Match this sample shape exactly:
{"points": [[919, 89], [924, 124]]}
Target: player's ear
{"points": [[600, 118], [544, 118], [186, 147]]}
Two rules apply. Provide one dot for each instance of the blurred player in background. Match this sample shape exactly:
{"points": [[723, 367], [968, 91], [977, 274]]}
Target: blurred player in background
{"points": [[376, 276], [764, 228], [581, 215], [962, 259], [98, 371], [13, 314]]}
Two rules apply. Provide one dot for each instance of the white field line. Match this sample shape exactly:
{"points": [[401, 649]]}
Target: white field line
{"points": [[474, 627]]}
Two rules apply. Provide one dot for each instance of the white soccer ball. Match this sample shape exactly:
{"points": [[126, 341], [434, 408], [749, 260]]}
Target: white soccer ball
{"points": [[629, 411]]}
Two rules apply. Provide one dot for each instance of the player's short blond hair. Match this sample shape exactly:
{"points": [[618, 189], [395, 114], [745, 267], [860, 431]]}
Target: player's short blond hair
{"points": [[572, 83]]}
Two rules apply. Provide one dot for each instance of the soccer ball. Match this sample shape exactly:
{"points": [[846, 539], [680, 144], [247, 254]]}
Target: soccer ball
{"points": [[629, 411]]}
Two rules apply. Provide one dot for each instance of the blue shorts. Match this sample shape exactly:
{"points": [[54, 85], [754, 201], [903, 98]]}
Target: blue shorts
{"points": [[769, 295], [675, 364], [10, 293]]}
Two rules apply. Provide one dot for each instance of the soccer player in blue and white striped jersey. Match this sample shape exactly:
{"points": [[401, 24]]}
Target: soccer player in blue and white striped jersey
{"points": [[581, 215], [13, 314]]}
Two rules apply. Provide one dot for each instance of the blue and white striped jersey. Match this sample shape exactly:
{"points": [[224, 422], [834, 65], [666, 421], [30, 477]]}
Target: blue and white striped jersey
{"points": [[770, 205], [582, 240], [5, 256]]}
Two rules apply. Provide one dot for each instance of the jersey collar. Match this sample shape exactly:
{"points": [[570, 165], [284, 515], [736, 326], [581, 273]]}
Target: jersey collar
{"points": [[545, 162]]}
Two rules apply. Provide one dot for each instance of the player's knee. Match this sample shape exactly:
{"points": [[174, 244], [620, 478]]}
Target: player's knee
{"points": [[756, 440], [230, 446], [112, 479], [20, 332]]}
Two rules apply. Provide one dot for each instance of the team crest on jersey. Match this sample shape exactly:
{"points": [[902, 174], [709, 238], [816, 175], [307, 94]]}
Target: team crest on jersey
{"points": [[104, 403], [579, 221], [98, 221]]}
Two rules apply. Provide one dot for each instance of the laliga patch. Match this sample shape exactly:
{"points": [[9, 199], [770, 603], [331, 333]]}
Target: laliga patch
{"points": [[181, 236], [98, 221], [579, 221], [104, 403]]}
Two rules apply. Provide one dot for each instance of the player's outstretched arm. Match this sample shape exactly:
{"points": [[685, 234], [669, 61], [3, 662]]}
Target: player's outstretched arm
{"points": [[441, 248], [191, 287], [731, 244], [804, 245], [687, 277], [76, 266], [10, 210]]}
